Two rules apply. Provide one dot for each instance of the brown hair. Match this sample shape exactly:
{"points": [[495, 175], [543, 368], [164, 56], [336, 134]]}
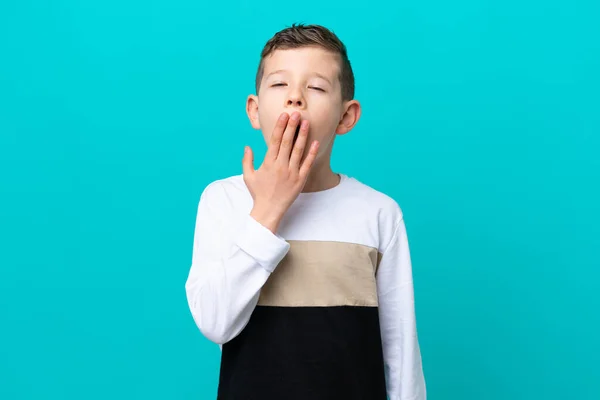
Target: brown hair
{"points": [[299, 35]]}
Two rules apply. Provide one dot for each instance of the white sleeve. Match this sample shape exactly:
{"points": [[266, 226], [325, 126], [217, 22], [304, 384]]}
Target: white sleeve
{"points": [[402, 357], [231, 262]]}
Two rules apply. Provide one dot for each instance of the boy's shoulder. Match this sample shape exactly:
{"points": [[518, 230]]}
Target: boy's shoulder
{"points": [[230, 184], [224, 193], [371, 197]]}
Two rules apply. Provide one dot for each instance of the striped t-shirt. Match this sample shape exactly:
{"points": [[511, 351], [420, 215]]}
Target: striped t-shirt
{"points": [[321, 310]]}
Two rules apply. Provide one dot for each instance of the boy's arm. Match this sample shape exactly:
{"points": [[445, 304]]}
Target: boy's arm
{"points": [[232, 259], [230, 264], [403, 367]]}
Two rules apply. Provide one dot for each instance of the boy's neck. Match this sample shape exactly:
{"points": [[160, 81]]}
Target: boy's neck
{"points": [[321, 178]]}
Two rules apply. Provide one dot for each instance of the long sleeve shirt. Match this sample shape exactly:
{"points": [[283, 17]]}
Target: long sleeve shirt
{"points": [[322, 309]]}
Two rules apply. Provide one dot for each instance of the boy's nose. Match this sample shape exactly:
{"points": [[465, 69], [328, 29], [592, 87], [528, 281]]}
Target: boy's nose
{"points": [[295, 100]]}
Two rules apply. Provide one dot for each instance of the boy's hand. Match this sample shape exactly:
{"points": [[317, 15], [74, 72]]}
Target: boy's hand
{"points": [[282, 175]]}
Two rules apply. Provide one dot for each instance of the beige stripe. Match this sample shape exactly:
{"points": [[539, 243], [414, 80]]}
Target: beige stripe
{"points": [[320, 274]]}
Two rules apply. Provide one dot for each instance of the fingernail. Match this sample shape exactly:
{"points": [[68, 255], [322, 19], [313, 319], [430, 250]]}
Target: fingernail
{"points": [[283, 117], [304, 124], [295, 116]]}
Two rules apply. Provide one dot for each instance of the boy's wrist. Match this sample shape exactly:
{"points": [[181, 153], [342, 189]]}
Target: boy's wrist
{"points": [[268, 218]]}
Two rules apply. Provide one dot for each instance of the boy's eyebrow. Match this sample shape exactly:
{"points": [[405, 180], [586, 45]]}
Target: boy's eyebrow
{"points": [[322, 77], [314, 73]]}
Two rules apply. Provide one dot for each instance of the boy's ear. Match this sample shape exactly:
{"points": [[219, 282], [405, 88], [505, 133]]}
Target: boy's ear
{"points": [[252, 111], [352, 111]]}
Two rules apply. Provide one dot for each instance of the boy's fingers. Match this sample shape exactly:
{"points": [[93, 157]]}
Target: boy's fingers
{"points": [[310, 159], [276, 135], [248, 162], [288, 137], [298, 150]]}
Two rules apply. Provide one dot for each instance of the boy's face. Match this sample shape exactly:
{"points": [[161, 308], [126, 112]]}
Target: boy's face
{"points": [[305, 80]]}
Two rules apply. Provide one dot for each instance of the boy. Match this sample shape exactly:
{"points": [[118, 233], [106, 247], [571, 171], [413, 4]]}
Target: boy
{"points": [[303, 275]]}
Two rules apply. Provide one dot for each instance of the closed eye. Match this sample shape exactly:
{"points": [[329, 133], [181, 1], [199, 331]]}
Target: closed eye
{"points": [[278, 84], [316, 88]]}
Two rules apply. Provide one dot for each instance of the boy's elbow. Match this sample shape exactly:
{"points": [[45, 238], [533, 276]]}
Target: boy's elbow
{"points": [[216, 336], [213, 329], [209, 321]]}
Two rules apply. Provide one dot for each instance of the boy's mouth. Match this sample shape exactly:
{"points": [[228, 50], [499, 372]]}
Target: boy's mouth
{"points": [[296, 134]]}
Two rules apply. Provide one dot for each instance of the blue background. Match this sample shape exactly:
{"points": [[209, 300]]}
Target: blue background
{"points": [[481, 118]]}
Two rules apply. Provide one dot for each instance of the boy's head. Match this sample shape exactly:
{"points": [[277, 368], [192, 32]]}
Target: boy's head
{"points": [[305, 68]]}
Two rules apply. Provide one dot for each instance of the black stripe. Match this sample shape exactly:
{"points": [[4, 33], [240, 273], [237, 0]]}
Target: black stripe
{"points": [[305, 353]]}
